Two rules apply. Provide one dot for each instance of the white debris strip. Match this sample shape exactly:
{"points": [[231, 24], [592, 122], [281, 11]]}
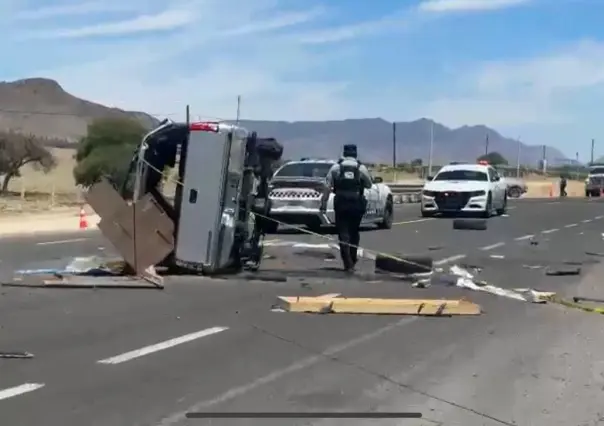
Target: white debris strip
{"points": [[466, 280]]}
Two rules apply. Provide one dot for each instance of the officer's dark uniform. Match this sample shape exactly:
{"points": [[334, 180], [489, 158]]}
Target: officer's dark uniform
{"points": [[349, 178], [563, 186]]}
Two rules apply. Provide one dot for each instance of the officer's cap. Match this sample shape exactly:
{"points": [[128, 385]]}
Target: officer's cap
{"points": [[350, 150]]}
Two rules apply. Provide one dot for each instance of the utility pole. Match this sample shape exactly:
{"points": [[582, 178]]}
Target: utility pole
{"points": [[394, 145], [544, 160], [486, 145], [518, 158], [593, 144], [431, 148]]}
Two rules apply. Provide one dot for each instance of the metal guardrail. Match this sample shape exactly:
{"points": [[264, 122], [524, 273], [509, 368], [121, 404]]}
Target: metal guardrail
{"points": [[403, 193]]}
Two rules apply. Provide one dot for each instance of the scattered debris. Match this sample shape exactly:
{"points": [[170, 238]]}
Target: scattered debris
{"points": [[497, 256], [560, 272], [470, 224], [434, 248], [86, 272], [587, 299], [428, 307], [466, 280], [16, 354], [533, 266], [533, 241], [591, 253]]}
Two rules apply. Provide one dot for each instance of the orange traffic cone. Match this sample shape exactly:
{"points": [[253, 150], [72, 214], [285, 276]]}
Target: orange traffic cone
{"points": [[83, 220]]}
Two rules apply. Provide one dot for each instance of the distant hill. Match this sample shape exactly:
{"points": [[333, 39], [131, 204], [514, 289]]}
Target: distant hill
{"points": [[40, 106], [374, 139]]}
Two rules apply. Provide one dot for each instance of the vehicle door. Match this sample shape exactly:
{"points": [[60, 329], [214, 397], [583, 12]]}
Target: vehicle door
{"points": [[497, 185]]}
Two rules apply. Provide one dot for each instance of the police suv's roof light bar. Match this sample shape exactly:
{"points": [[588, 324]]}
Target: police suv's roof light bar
{"points": [[483, 162]]}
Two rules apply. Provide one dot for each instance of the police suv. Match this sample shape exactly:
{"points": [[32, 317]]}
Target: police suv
{"points": [[465, 188], [297, 188]]}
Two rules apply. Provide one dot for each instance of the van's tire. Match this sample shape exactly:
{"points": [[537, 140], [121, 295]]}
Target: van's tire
{"points": [[388, 218], [470, 224], [407, 265]]}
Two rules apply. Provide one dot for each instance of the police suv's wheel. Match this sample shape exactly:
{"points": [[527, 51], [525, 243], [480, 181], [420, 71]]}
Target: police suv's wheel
{"points": [[388, 218], [504, 207], [427, 214], [587, 194], [488, 211]]}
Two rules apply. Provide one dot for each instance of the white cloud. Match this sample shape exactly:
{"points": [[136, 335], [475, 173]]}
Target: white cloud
{"points": [[72, 10], [162, 21], [440, 6], [536, 91]]}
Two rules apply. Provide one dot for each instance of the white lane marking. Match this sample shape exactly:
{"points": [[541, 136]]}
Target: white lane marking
{"points": [[524, 237], [497, 256], [329, 296], [50, 243], [413, 221], [137, 353], [549, 231], [179, 416], [492, 246], [598, 217], [570, 225], [449, 259], [586, 221], [19, 390]]}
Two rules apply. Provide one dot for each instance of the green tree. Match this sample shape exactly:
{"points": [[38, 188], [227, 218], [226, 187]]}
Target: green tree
{"points": [[18, 150], [417, 162], [493, 158], [106, 150]]}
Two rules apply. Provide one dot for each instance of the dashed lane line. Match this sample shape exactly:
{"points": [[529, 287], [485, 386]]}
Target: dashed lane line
{"points": [[449, 259], [549, 231], [571, 225], [492, 246], [19, 390], [524, 237], [137, 353], [586, 220], [50, 243]]}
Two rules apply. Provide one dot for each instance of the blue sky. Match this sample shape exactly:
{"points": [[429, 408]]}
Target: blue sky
{"points": [[528, 68]]}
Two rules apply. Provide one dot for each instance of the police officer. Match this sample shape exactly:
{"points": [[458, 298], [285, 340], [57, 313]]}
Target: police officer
{"points": [[348, 180], [563, 186]]}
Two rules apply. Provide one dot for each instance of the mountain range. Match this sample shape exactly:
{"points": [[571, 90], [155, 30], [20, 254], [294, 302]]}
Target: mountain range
{"points": [[42, 107]]}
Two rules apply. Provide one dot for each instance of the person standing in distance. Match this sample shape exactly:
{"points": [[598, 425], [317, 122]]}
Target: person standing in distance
{"points": [[348, 179]]}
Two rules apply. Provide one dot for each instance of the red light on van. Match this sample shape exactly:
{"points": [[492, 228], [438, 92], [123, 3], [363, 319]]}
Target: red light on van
{"points": [[204, 126]]}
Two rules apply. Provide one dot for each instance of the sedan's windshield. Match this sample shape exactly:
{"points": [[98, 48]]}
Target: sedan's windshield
{"points": [[312, 170], [462, 175]]}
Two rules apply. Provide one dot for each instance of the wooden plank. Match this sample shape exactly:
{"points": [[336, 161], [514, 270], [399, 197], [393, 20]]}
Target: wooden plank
{"points": [[380, 306]]}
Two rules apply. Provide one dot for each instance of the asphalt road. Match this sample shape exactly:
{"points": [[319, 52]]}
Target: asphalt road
{"points": [[146, 357]]}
